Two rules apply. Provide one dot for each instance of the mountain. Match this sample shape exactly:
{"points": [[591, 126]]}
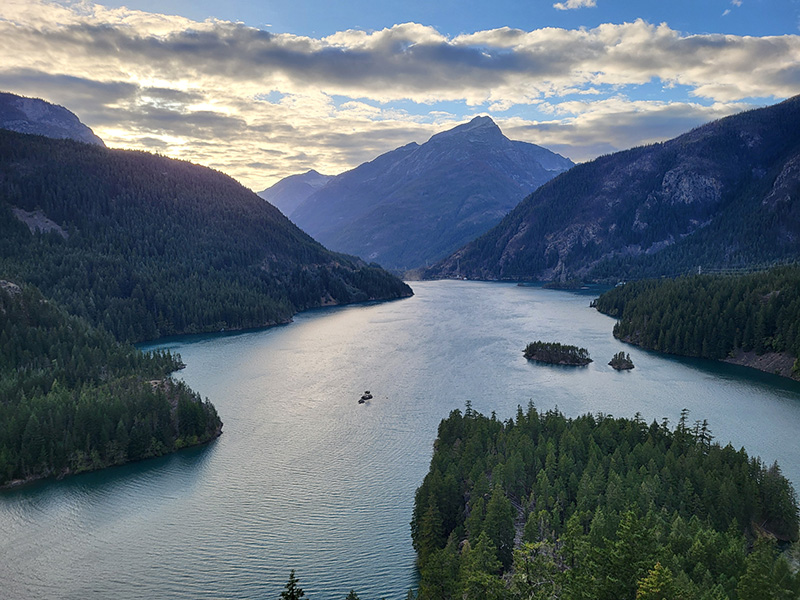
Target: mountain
{"points": [[291, 191], [31, 115], [418, 203], [722, 195], [148, 246]]}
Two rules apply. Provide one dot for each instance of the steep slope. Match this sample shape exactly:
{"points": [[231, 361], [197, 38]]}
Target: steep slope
{"points": [[417, 203], [148, 246], [723, 195], [32, 115], [74, 399], [291, 191]]}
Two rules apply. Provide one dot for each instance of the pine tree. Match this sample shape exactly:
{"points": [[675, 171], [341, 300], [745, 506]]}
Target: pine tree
{"points": [[293, 591]]}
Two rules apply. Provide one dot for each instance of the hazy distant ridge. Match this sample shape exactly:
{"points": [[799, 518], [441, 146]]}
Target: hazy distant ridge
{"points": [[415, 204]]}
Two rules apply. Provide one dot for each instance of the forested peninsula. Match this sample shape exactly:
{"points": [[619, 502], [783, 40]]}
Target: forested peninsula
{"points": [[542, 506], [750, 319], [100, 248], [74, 399]]}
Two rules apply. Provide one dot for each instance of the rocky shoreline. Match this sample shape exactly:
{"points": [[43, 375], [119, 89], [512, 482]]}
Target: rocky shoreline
{"points": [[776, 363]]}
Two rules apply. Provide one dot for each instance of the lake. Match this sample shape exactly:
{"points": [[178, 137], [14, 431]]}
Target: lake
{"points": [[306, 478]]}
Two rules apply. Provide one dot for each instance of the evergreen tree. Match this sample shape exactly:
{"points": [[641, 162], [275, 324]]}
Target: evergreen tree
{"points": [[293, 590]]}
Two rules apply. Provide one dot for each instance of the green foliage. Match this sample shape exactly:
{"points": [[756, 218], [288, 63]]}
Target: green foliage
{"points": [[293, 590], [158, 247], [612, 509], [556, 353], [621, 361], [710, 316], [73, 399]]}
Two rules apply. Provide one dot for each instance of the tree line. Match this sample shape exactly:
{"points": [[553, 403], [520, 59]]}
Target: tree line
{"points": [[153, 246], [710, 316], [543, 506], [74, 399]]}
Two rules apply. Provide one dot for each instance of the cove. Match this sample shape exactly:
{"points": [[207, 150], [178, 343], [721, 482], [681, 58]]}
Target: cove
{"points": [[304, 477]]}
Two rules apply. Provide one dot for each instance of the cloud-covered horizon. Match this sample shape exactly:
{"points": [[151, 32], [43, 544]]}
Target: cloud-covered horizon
{"points": [[260, 105]]}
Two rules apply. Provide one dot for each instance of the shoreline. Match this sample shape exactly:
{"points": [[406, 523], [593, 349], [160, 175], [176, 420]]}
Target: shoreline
{"points": [[34, 479], [773, 363]]}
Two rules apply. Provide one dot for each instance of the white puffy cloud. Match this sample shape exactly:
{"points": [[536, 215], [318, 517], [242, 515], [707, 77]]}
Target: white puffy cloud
{"points": [[573, 4], [260, 106]]}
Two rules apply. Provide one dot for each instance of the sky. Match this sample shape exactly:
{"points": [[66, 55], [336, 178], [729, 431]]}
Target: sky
{"points": [[264, 89]]}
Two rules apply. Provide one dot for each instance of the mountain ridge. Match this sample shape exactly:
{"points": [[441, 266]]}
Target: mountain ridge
{"points": [[289, 192], [154, 246], [415, 204], [720, 195], [39, 117]]}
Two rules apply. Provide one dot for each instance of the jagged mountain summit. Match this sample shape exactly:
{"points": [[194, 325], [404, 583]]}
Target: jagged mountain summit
{"points": [[418, 203], [724, 195], [291, 191], [32, 115]]}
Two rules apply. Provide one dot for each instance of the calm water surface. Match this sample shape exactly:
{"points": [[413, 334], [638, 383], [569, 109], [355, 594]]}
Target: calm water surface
{"points": [[306, 478]]}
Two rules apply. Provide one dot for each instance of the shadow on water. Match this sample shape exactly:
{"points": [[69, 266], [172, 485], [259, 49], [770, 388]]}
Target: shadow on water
{"points": [[187, 464]]}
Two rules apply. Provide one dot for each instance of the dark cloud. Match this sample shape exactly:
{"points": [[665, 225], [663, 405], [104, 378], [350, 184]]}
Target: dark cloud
{"points": [[68, 89]]}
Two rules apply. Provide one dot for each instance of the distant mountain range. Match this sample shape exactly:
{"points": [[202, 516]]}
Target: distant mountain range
{"points": [[416, 204], [723, 195], [35, 116], [147, 246], [292, 191]]}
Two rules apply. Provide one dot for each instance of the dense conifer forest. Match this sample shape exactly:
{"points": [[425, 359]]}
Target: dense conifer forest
{"points": [[556, 353], [541, 507], [74, 399], [710, 316], [148, 246]]}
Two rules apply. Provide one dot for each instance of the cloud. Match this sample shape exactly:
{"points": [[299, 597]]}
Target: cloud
{"points": [[573, 4], [240, 99], [584, 130]]}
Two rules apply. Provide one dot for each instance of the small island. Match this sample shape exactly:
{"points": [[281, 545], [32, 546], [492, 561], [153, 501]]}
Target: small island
{"points": [[621, 361], [555, 353]]}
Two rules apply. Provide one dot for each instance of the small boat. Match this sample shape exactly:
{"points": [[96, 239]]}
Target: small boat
{"points": [[365, 397]]}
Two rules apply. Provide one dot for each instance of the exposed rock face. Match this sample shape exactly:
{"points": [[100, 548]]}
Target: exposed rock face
{"points": [[37, 221], [418, 203], [291, 191], [722, 195], [31, 115]]}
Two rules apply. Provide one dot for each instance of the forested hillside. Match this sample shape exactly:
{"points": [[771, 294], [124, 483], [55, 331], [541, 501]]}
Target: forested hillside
{"points": [[74, 399], [542, 506], [711, 316], [147, 246], [722, 195]]}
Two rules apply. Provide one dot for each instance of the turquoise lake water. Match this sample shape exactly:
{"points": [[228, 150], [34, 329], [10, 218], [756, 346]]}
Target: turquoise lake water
{"points": [[305, 478]]}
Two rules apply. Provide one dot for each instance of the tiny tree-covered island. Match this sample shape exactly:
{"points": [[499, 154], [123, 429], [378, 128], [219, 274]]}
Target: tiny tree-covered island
{"points": [[543, 506], [554, 353], [621, 361]]}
